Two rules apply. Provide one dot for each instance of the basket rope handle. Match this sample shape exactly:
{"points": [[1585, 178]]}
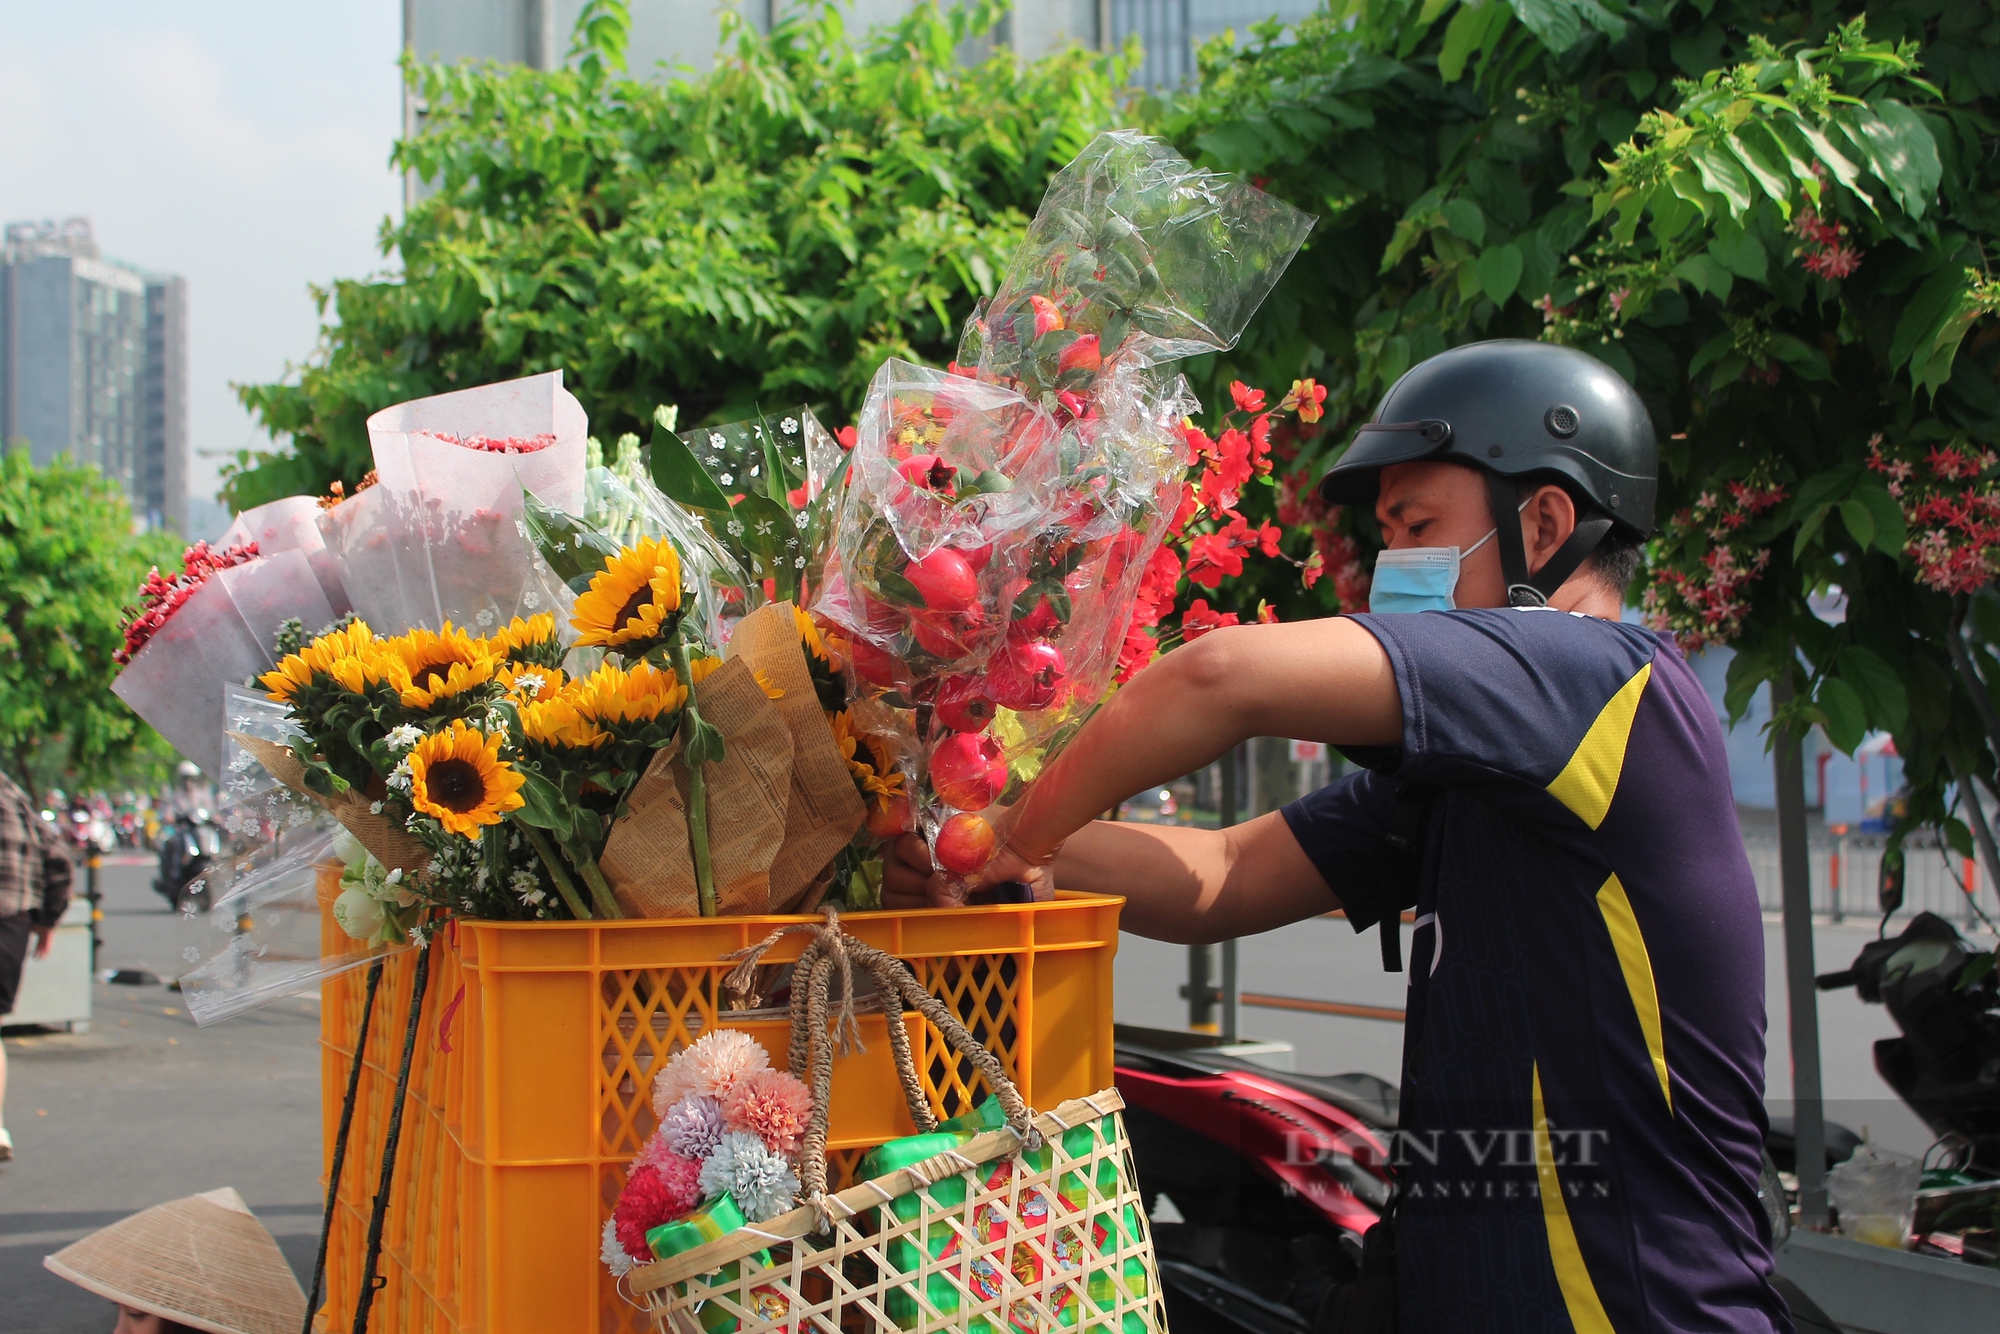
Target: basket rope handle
{"points": [[814, 1042]]}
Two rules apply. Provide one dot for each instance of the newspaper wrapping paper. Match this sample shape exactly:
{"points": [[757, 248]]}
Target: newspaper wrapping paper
{"points": [[823, 810], [439, 537], [647, 859], [222, 635], [259, 938], [292, 524], [995, 522]]}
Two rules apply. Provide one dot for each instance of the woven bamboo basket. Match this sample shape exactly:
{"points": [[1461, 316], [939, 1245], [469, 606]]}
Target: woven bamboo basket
{"points": [[1031, 1228]]}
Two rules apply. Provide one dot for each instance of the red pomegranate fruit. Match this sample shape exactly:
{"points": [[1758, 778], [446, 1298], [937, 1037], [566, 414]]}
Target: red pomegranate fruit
{"points": [[1025, 675], [891, 819], [968, 772], [961, 704], [945, 580], [965, 844]]}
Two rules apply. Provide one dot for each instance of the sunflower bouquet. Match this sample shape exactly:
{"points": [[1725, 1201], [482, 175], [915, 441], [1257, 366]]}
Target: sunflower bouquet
{"points": [[999, 516]]}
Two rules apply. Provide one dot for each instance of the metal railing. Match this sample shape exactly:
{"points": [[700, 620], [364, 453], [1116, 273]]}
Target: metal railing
{"points": [[1847, 870]]}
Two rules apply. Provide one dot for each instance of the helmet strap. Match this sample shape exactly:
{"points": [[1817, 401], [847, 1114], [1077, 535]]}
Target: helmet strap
{"points": [[1524, 589]]}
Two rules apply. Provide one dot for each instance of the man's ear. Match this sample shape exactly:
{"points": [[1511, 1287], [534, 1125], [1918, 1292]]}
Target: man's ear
{"points": [[1546, 523]]}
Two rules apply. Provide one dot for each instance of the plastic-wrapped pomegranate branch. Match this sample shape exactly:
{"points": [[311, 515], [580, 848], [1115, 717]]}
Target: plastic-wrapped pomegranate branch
{"points": [[999, 517]]}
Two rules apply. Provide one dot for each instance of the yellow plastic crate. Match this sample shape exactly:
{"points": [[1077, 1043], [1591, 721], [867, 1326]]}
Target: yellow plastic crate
{"points": [[530, 1090]]}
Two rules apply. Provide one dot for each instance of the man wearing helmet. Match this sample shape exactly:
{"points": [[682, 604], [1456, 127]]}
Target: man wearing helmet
{"points": [[1583, 1070]]}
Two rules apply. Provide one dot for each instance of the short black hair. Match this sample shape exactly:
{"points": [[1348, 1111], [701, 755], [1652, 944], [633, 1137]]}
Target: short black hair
{"points": [[1616, 559]]}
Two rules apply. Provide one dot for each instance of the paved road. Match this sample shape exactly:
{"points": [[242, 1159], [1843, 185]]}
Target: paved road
{"points": [[146, 1107]]}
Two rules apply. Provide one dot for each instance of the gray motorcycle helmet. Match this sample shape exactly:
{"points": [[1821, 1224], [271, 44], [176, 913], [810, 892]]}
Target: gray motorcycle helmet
{"points": [[1517, 410], [1513, 407]]}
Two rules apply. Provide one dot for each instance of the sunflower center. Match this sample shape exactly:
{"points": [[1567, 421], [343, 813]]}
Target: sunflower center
{"points": [[431, 675], [633, 605], [456, 785]]}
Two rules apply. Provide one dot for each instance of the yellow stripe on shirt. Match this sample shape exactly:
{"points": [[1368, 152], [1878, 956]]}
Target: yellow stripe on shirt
{"points": [[1586, 1312], [1637, 965], [1590, 779]]}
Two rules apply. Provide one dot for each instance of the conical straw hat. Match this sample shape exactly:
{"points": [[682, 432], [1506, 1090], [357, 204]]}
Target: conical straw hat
{"points": [[204, 1261]]}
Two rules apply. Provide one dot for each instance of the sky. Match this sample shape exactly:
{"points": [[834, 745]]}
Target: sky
{"points": [[243, 144]]}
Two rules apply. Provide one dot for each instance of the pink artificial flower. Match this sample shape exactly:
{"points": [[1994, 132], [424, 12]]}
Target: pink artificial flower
{"points": [[772, 1105]]}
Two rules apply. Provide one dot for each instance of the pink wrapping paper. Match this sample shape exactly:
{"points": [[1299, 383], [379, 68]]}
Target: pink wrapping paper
{"points": [[292, 524], [453, 513]]}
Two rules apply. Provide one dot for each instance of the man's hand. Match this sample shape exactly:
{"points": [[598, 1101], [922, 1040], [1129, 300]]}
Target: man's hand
{"points": [[45, 940], [910, 880]]}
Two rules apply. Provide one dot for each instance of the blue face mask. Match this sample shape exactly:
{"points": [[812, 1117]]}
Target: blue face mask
{"points": [[1418, 578], [1421, 578]]}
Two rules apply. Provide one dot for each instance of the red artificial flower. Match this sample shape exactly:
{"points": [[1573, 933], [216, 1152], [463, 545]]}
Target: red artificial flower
{"points": [[660, 1192], [1310, 572], [846, 435], [1247, 399], [796, 497], [1266, 613], [1082, 354], [1305, 399], [1199, 619], [1190, 503]]}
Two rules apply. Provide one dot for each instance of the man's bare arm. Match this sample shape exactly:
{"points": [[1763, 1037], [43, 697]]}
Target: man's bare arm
{"points": [[1196, 886], [1326, 680]]}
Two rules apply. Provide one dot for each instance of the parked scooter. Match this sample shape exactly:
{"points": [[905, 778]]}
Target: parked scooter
{"points": [[1260, 1184], [1945, 996], [188, 848]]}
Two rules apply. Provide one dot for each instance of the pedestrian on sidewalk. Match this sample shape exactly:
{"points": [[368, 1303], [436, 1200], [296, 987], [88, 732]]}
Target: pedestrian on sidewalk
{"points": [[203, 1263], [35, 874]]}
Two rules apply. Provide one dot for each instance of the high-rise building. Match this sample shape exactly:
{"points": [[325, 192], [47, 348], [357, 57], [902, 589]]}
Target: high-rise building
{"points": [[93, 364]]}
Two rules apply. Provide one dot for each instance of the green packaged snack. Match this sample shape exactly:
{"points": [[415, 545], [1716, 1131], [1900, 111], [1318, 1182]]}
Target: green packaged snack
{"points": [[717, 1218], [1093, 1226]]}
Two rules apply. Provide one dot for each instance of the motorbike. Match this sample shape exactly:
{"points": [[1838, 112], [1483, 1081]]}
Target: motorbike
{"points": [[188, 847], [1945, 997], [1261, 1183]]}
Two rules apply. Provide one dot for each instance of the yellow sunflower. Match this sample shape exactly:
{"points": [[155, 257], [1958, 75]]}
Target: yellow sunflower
{"points": [[700, 669], [459, 779], [635, 597], [441, 665], [356, 644], [809, 638], [555, 722], [525, 682], [520, 636], [639, 694], [870, 762]]}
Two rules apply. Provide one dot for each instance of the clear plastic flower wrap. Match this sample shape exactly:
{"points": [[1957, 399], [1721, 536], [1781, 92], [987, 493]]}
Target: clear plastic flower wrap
{"points": [[250, 934], [292, 524], [451, 471], [361, 541], [997, 518], [1134, 255]]}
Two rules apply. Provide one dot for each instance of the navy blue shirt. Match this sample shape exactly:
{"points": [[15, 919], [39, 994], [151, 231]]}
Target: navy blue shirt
{"points": [[1583, 1064]]}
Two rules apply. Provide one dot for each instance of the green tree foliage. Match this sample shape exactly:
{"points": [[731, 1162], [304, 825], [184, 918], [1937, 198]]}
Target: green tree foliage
{"points": [[1772, 219], [69, 561], [767, 232]]}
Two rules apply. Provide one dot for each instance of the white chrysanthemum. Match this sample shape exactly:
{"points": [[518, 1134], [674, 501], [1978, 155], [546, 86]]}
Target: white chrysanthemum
{"points": [[527, 888], [530, 683], [403, 737], [399, 777], [761, 1182], [614, 1256]]}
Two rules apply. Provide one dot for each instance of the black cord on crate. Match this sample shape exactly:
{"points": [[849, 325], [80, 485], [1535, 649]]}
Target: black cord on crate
{"points": [[365, 1299], [340, 1141]]}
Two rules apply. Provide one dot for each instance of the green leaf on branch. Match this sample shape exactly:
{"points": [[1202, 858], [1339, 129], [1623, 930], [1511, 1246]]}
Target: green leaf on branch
{"points": [[1891, 532], [1859, 520], [1883, 695], [679, 474], [1464, 219], [1500, 272], [1846, 719]]}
